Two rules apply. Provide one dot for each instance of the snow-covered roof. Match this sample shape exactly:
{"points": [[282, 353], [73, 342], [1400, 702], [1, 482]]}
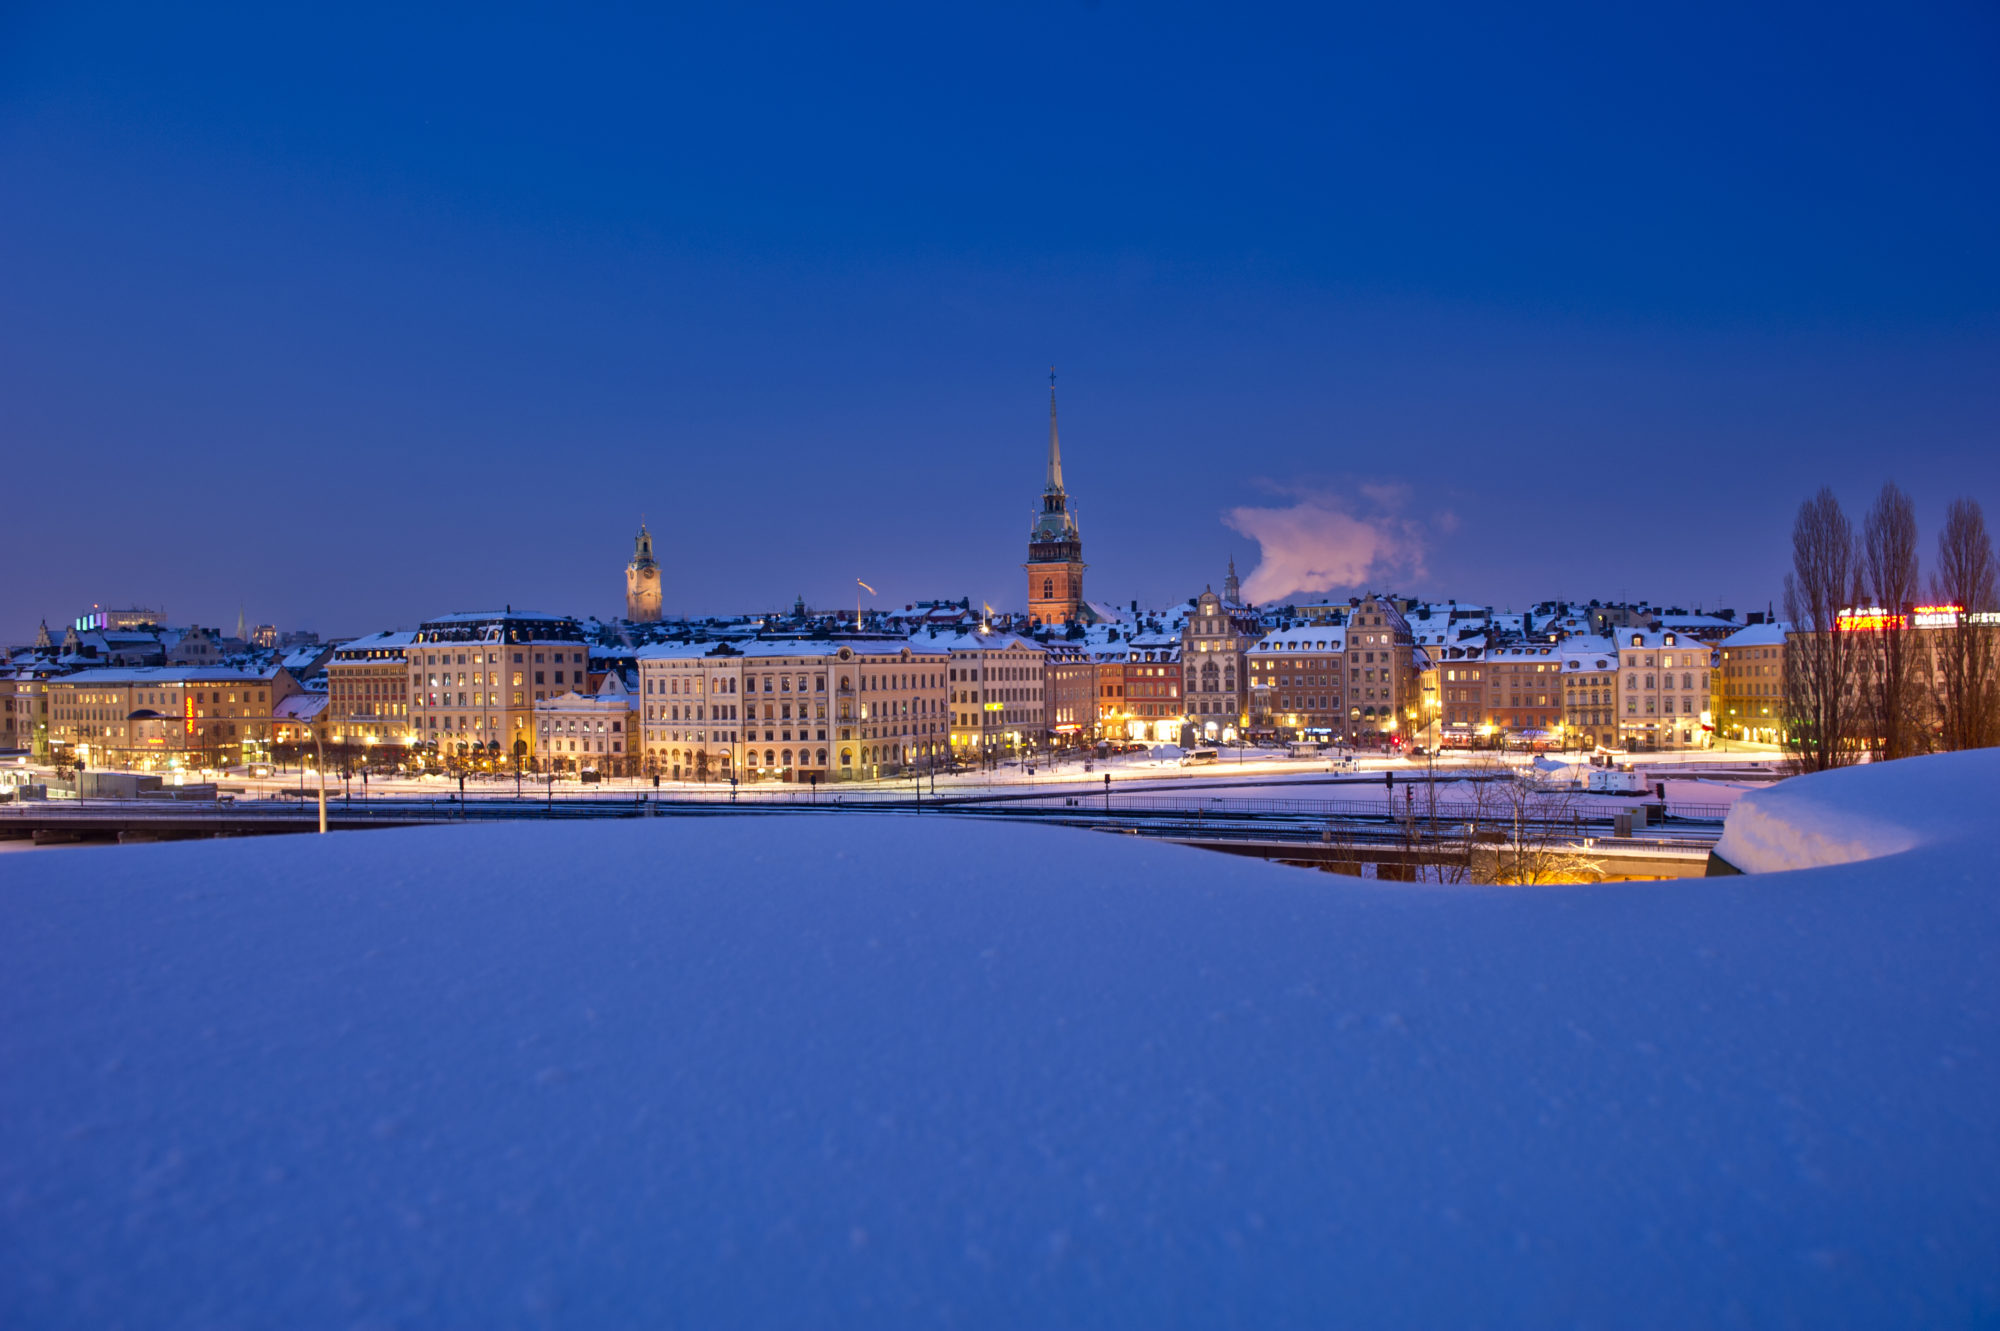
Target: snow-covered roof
{"points": [[1759, 635], [1687, 621], [302, 707], [161, 675], [1594, 653], [761, 649], [1656, 639], [996, 641], [600, 701], [370, 642]]}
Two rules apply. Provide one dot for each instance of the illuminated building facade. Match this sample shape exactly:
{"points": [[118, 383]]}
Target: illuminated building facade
{"points": [[368, 697], [1215, 694], [1383, 674], [1297, 683], [1750, 704], [793, 710], [997, 688], [1664, 690], [157, 717], [24, 720], [1069, 681], [1525, 691], [590, 730], [1590, 695], [1139, 690], [475, 679]]}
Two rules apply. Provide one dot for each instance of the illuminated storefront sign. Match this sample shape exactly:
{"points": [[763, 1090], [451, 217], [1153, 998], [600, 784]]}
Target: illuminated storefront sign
{"points": [[1874, 619]]}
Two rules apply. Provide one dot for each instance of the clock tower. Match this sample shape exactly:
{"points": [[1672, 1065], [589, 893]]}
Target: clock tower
{"points": [[642, 581]]}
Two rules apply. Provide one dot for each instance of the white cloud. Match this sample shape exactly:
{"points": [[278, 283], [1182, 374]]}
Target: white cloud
{"points": [[1317, 544]]}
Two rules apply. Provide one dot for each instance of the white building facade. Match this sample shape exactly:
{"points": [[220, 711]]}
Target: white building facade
{"points": [[1665, 681], [807, 711]]}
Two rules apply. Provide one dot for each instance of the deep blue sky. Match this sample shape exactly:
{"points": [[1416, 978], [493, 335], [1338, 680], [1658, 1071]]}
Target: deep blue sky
{"points": [[359, 317]]}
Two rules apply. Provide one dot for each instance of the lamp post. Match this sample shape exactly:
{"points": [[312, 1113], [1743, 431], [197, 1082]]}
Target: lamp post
{"points": [[319, 751]]}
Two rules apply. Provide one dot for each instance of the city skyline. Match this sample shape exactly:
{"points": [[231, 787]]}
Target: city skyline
{"points": [[301, 331]]}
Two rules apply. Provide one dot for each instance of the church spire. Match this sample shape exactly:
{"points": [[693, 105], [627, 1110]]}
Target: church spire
{"points": [[1055, 483]]}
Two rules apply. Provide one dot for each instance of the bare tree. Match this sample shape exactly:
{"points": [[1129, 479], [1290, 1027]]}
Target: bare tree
{"points": [[1889, 571], [1544, 837], [1438, 831], [1965, 578], [1820, 702]]}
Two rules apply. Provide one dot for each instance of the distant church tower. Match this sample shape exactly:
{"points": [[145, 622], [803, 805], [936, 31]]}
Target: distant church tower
{"points": [[642, 582], [1232, 588], [1055, 549]]}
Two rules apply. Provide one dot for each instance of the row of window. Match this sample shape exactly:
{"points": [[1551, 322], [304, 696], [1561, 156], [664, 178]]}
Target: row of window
{"points": [[494, 658]]}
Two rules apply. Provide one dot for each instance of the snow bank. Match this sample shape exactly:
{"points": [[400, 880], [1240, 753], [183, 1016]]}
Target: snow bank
{"points": [[1943, 802], [847, 1071]]}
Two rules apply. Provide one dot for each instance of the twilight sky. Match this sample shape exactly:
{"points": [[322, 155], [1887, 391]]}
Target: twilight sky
{"points": [[355, 317]]}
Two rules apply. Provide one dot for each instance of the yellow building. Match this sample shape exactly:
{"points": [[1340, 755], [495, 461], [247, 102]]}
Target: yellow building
{"points": [[24, 711], [998, 693], [1750, 705], [157, 717], [368, 698], [475, 680]]}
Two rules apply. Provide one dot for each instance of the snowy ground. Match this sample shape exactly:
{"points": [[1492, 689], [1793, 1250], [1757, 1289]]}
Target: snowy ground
{"points": [[923, 1072]]}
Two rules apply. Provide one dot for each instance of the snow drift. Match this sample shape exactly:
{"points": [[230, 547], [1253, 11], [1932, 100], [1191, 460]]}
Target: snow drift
{"points": [[850, 1071], [1942, 804]]}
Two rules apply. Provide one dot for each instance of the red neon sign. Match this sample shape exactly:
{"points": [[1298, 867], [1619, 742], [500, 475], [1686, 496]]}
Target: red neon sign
{"points": [[1874, 619]]}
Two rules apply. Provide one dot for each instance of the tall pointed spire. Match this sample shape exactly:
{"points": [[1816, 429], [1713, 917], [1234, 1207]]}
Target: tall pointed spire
{"points": [[1055, 443], [1055, 549]]}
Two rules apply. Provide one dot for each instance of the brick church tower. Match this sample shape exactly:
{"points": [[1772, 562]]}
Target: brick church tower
{"points": [[1055, 548]]}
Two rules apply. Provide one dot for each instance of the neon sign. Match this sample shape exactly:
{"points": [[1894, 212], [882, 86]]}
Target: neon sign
{"points": [[1874, 619]]}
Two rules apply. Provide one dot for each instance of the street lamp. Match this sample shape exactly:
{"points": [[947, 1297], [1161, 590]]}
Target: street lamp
{"points": [[319, 751]]}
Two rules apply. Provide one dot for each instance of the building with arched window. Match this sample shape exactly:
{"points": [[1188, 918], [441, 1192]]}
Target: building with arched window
{"points": [[1213, 642]]}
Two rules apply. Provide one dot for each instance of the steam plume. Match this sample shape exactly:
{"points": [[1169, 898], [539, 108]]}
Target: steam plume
{"points": [[1317, 544]]}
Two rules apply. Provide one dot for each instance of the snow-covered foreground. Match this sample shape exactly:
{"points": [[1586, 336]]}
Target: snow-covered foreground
{"points": [[1939, 809], [920, 1072]]}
